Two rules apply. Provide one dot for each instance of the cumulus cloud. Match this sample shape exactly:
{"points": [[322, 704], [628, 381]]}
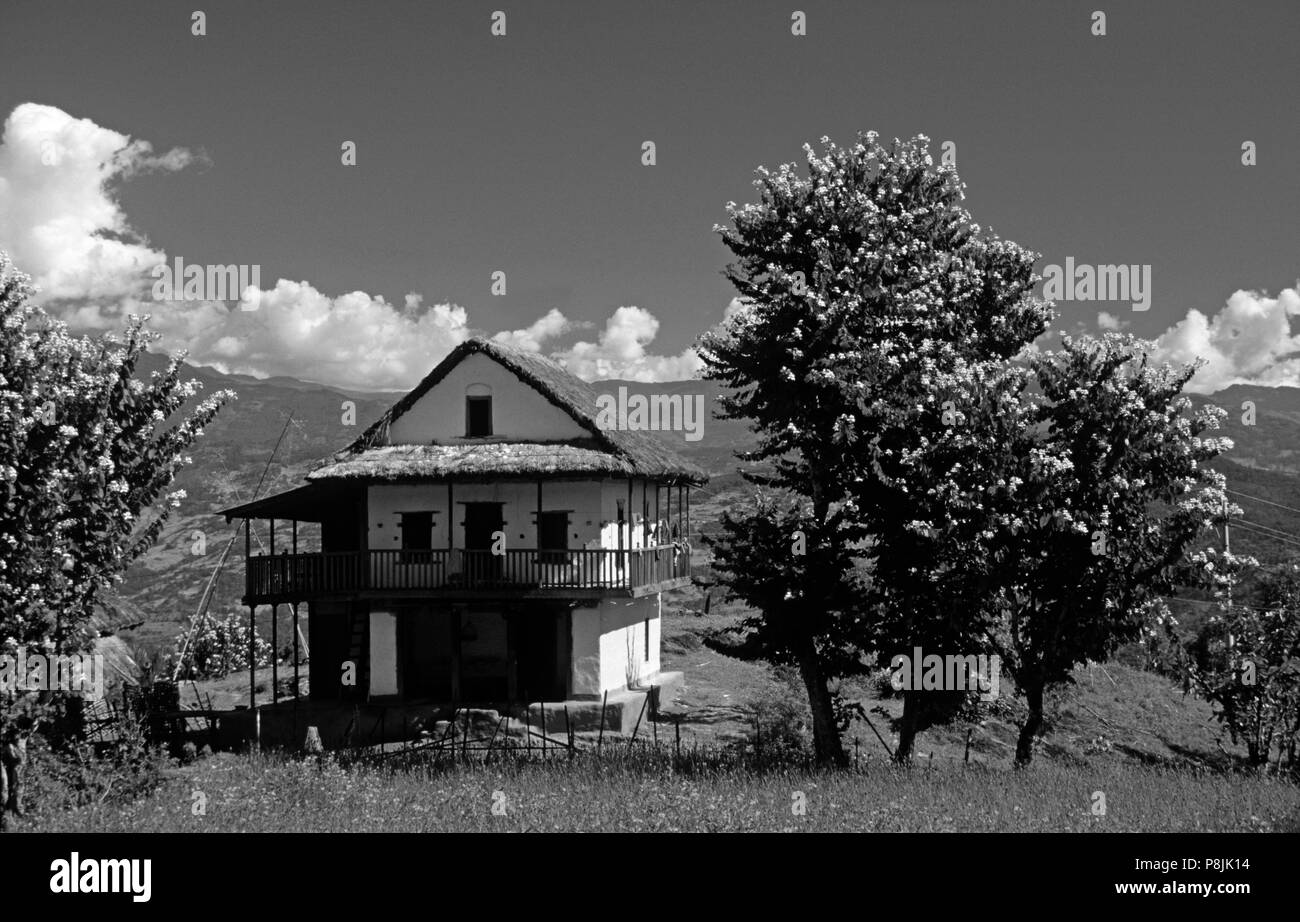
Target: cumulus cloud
{"points": [[61, 223], [734, 307], [355, 340], [547, 327], [1249, 341], [59, 218], [620, 352], [1108, 321]]}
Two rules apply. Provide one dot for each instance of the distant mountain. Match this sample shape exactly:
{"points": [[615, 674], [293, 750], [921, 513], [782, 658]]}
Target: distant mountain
{"points": [[230, 459], [1272, 440]]}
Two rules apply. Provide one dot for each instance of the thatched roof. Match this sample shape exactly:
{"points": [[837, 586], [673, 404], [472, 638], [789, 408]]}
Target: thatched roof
{"points": [[606, 453], [405, 462]]}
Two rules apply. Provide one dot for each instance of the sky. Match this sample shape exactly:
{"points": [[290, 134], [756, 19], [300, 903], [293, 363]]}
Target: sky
{"points": [[129, 141]]}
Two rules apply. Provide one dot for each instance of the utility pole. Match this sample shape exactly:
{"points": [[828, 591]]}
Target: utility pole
{"points": [[1227, 550]]}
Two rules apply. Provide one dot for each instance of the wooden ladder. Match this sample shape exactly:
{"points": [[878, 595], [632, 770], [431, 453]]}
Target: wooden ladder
{"points": [[357, 648]]}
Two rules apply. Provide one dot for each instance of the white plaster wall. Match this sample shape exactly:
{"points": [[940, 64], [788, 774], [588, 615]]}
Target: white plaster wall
{"points": [[582, 499], [614, 490], [519, 413], [584, 628], [383, 653], [608, 644]]}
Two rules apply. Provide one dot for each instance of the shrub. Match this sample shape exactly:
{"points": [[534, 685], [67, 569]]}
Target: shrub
{"points": [[219, 647]]}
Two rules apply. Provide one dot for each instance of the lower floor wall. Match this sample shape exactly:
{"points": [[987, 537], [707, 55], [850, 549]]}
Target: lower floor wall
{"points": [[533, 651], [615, 645]]}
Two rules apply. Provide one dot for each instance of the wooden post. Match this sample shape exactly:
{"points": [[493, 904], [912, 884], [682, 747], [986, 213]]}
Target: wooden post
{"points": [[627, 561], [687, 535], [252, 658], [275, 654], [451, 519], [455, 654], [512, 656], [600, 738], [297, 679]]}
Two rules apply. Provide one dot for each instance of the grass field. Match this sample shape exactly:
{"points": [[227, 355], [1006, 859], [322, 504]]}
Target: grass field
{"points": [[1130, 739], [246, 793]]}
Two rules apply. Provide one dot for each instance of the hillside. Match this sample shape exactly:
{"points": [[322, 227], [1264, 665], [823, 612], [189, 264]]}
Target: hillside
{"points": [[231, 457]]}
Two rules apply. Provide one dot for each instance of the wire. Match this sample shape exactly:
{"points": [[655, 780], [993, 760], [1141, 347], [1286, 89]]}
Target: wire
{"points": [[1278, 531], [1265, 534], [1267, 502]]}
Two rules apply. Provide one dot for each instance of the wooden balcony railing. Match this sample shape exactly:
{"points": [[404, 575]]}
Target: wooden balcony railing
{"points": [[299, 577]]}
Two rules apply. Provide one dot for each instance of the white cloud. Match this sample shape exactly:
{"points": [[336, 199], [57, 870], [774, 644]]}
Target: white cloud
{"points": [[355, 340], [1108, 321], [620, 352], [1249, 341], [549, 326], [734, 307], [62, 224], [59, 219]]}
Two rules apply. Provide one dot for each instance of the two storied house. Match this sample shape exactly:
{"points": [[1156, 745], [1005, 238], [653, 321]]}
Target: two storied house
{"points": [[484, 543]]}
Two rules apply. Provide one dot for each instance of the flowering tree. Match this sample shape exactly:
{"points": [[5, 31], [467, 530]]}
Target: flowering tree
{"points": [[860, 284], [807, 606], [1052, 513], [1246, 662], [87, 453], [218, 648]]}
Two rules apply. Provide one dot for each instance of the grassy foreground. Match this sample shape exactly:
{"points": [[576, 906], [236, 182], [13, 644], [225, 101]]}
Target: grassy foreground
{"points": [[268, 793]]}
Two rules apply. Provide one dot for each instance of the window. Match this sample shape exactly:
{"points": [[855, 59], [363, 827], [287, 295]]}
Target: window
{"points": [[553, 536], [478, 417], [417, 536]]}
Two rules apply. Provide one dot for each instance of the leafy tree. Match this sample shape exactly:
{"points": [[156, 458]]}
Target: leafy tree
{"points": [[1060, 507], [859, 284], [936, 578], [87, 453], [1246, 662], [805, 591], [218, 648]]}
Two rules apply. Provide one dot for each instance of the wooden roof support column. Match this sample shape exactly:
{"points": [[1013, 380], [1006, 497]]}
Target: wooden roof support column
{"points": [[297, 679], [275, 654], [252, 658]]}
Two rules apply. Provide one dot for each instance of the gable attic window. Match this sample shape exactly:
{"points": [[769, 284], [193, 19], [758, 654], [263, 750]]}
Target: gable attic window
{"points": [[478, 417]]}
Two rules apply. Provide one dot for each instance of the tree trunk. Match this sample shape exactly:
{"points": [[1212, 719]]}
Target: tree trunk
{"points": [[907, 728], [13, 758], [1031, 726], [826, 736]]}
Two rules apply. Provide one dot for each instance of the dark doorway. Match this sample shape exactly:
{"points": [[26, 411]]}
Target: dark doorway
{"points": [[553, 537], [541, 642], [482, 520], [428, 646]]}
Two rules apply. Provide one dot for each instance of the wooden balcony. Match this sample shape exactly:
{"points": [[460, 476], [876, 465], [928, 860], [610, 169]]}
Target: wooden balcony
{"points": [[456, 573]]}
